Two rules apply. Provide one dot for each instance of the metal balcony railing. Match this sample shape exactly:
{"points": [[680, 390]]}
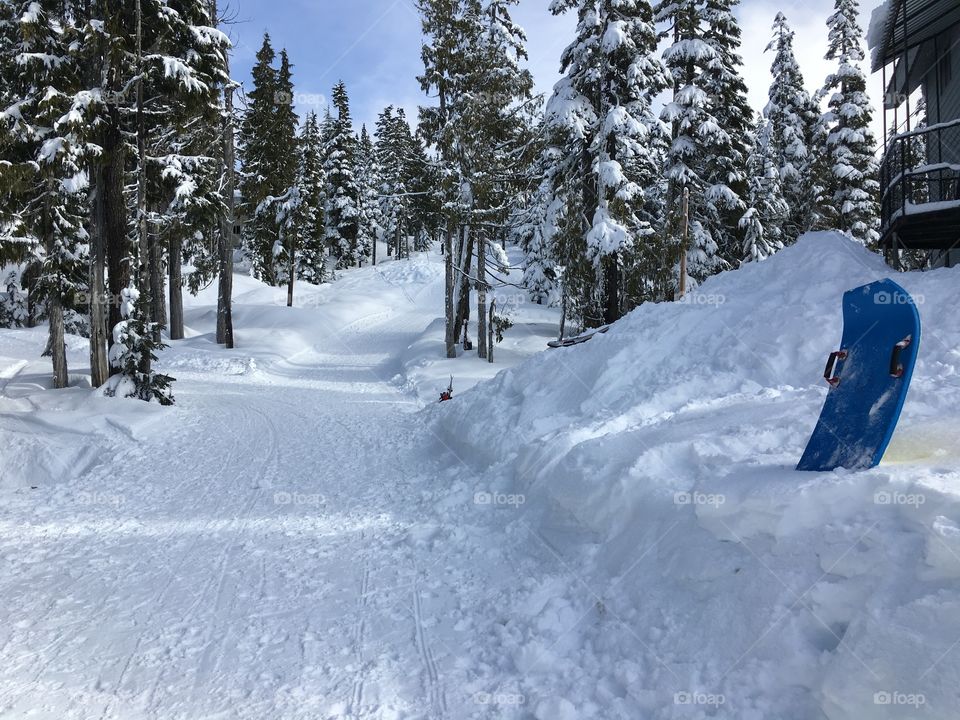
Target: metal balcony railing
{"points": [[920, 172]]}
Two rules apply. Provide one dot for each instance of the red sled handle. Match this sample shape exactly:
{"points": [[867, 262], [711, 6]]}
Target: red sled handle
{"points": [[833, 380], [896, 367]]}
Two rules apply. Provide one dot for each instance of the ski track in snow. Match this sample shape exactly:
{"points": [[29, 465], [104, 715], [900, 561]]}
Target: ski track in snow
{"points": [[217, 584]]}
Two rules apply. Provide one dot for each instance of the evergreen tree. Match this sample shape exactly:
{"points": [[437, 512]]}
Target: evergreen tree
{"points": [[792, 116], [725, 164], [311, 266], [393, 150], [496, 134], [423, 183], [283, 208], [367, 172], [696, 131], [540, 272], [852, 189], [44, 142], [257, 163], [605, 147], [341, 213], [767, 211], [134, 337], [450, 29]]}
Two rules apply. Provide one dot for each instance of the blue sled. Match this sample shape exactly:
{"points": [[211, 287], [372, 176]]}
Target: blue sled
{"points": [[869, 376]]}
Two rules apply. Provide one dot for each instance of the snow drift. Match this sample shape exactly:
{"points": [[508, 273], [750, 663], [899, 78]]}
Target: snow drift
{"points": [[710, 579]]}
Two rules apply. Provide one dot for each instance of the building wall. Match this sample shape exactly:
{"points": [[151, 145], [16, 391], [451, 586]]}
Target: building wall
{"points": [[941, 90], [942, 78]]}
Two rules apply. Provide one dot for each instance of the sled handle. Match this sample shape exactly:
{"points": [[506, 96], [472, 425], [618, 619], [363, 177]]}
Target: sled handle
{"points": [[828, 375], [896, 367]]}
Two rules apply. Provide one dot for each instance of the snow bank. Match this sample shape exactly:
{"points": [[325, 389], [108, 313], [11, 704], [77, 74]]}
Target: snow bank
{"points": [[655, 464]]}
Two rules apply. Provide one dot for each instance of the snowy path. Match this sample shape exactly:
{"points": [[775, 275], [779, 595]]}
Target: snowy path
{"points": [[297, 568]]}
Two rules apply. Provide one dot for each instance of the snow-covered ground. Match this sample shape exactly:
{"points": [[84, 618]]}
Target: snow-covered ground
{"points": [[612, 530]]}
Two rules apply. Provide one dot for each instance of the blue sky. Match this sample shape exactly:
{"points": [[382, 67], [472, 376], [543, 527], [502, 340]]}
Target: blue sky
{"points": [[374, 46]]}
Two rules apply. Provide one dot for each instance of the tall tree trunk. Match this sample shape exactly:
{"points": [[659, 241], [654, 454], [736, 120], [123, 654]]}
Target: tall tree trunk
{"points": [[291, 268], [589, 198], [226, 240], [490, 338], [115, 223], [174, 270], [450, 334], [99, 368], [563, 311], [56, 344], [158, 304], [143, 230], [464, 262], [611, 289], [481, 294]]}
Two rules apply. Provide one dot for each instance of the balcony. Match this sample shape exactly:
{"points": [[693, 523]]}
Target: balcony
{"points": [[920, 185]]}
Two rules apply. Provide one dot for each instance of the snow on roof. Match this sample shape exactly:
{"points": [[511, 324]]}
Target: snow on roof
{"points": [[876, 33]]}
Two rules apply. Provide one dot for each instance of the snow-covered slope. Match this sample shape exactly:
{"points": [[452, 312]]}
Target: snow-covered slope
{"points": [[692, 565]]}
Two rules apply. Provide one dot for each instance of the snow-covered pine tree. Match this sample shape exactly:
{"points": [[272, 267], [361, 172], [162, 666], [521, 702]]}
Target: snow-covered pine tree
{"points": [[133, 351], [605, 144], [695, 131], [725, 164], [495, 133], [368, 207], [18, 254], [852, 189], [767, 212], [423, 184], [792, 118], [395, 158], [256, 163], [341, 212], [283, 208], [450, 33], [45, 181], [391, 191], [311, 265], [541, 276], [185, 165]]}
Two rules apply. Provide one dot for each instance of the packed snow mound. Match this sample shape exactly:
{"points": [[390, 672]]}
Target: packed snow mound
{"points": [[761, 331], [656, 466]]}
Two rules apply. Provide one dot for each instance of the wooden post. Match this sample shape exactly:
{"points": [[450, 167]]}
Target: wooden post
{"points": [[682, 289]]}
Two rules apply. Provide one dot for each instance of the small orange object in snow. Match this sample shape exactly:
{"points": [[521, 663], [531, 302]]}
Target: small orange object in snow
{"points": [[448, 393]]}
